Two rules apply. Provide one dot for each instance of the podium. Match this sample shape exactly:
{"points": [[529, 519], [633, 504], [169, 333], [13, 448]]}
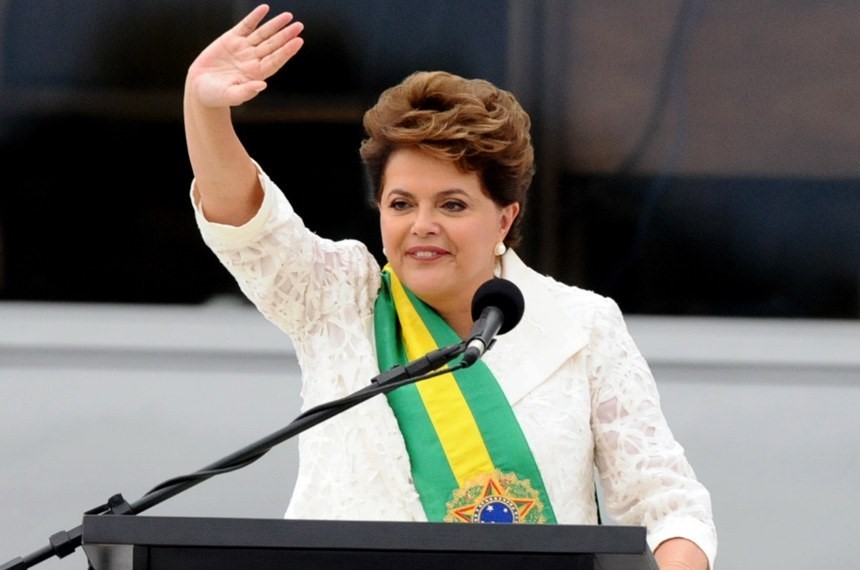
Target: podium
{"points": [[114, 542]]}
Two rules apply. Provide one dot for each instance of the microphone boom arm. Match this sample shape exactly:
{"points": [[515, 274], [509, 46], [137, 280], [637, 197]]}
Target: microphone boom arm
{"points": [[63, 543]]}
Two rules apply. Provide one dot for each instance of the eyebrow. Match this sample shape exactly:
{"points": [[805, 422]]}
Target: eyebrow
{"points": [[443, 193]]}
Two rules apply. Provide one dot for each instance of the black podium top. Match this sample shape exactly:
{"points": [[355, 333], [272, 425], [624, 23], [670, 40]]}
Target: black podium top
{"points": [[174, 543]]}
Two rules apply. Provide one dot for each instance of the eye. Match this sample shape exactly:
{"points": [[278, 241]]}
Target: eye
{"points": [[398, 204], [453, 206]]}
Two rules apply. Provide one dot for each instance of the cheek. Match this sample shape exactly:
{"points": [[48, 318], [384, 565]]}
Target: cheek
{"points": [[389, 230], [494, 229], [476, 240]]}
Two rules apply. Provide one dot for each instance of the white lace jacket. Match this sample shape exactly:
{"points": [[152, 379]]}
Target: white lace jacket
{"points": [[582, 392]]}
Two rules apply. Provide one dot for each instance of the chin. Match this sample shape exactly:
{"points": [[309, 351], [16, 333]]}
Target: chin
{"points": [[427, 287]]}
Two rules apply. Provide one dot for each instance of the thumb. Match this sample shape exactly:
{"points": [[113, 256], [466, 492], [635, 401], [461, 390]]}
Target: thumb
{"points": [[246, 91]]}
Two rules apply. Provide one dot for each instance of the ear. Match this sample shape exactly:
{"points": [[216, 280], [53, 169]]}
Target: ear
{"points": [[507, 215]]}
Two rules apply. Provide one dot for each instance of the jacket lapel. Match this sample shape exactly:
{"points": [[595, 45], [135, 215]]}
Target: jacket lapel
{"points": [[550, 337]]}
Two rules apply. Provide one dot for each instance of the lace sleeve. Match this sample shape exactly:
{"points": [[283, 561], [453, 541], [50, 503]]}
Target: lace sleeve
{"points": [[643, 470], [298, 280]]}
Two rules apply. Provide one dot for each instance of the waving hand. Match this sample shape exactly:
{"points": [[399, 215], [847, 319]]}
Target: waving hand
{"points": [[233, 69]]}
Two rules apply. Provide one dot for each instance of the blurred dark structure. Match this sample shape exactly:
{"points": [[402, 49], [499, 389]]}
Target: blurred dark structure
{"points": [[693, 158]]}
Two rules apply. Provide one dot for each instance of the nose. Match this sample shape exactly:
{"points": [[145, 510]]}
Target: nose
{"points": [[425, 222]]}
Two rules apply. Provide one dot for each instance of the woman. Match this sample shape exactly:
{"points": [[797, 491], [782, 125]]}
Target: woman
{"points": [[449, 161]]}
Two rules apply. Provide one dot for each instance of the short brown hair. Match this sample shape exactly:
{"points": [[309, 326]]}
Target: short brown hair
{"points": [[471, 122]]}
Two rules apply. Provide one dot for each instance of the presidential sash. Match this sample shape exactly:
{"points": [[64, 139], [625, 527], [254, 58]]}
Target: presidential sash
{"points": [[470, 459]]}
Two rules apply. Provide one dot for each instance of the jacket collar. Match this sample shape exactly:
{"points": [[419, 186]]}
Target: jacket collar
{"points": [[550, 338]]}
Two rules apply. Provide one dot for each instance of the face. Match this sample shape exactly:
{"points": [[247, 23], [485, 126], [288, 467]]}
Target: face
{"points": [[439, 228]]}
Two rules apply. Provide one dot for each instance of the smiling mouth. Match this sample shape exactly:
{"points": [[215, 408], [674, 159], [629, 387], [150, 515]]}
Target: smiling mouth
{"points": [[425, 254]]}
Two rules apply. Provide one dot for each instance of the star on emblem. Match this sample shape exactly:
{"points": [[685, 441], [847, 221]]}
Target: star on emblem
{"points": [[495, 498]]}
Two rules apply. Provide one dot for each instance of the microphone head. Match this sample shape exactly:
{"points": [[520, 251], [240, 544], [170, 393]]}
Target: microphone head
{"points": [[505, 296]]}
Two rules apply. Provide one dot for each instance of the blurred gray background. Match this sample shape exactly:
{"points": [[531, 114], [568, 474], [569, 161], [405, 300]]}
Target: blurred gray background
{"points": [[697, 161]]}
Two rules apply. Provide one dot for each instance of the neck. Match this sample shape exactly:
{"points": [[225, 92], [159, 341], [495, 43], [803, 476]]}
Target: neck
{"points": [[459, 321]]}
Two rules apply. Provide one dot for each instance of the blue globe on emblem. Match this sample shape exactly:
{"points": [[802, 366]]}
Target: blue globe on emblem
{"points": [[496, 510]]}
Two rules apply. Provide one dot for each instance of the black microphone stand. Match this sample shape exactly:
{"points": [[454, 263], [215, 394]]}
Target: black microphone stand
{"points": [[63, 543]]}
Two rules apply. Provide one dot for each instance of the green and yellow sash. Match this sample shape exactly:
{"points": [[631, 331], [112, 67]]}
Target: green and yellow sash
{"points": [[470, 459]]}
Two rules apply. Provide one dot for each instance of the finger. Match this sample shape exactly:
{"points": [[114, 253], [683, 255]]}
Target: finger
{"points": [[243, 93], [279, 40], [276, 60], [250, 22], [270, 28]]}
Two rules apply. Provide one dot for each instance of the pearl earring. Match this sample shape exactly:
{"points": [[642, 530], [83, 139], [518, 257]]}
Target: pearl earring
{"points": [[500, 249]]}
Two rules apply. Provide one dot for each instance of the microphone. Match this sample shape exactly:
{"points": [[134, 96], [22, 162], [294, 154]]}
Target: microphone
{"points": [[497, 307]]}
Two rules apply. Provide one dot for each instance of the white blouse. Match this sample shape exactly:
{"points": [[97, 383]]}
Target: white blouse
{"points": [[583, 394]]}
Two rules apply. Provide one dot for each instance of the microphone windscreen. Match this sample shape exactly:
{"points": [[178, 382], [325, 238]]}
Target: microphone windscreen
{"points": [[504, 295]]}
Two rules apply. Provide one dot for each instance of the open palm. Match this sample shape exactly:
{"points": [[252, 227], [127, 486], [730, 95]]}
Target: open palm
{"points": [[233, 69]]}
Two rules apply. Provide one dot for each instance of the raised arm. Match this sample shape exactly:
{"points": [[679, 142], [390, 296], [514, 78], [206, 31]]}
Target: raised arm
{"points": [[229, 72]]}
